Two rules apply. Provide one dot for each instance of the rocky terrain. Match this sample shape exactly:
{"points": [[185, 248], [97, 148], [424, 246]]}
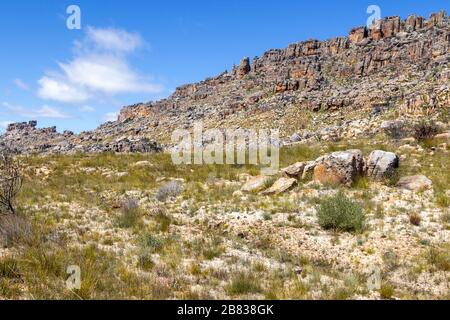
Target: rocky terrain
{"points": [[339, 88], [363, 189]]}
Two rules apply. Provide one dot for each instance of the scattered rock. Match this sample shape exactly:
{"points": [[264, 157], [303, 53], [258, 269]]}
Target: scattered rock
{"points": [[121, 174], [415, 183], [280, 186], [296, 137]]}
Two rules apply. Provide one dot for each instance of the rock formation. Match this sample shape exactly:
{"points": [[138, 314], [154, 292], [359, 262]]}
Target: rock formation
{"points": [[395, 64]]}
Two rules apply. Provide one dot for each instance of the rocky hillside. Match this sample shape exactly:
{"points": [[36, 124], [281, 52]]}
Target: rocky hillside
{"points": [[340, 88]]}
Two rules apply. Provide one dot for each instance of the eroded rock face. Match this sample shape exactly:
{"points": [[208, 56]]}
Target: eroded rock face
{"points": [[244, 68], [413, 22], [415, 183], [134, 112], [382, 165], [27, 138], [358, 34], [341, 167]]}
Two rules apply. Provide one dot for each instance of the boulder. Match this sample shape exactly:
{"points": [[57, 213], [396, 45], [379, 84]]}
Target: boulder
{"points": [[445, 135], [255, 184], [415, 183], [381, 164], [341, 167], [281, 185], [295, 170]]}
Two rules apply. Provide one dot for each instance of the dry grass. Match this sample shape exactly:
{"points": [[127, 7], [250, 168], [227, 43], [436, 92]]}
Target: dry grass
{"points": [[173, 246]]}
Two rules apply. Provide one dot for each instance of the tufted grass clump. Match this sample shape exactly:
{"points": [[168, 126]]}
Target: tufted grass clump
{"points": [[340, 213], [130, 214], [170, 189], [244, 283]]}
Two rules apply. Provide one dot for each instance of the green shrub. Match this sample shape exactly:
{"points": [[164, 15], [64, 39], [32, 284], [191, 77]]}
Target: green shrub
{"points": [[152, 243], [341, 214]]}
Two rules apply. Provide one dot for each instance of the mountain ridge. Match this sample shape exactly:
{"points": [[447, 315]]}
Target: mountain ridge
{"points": [[294, 89]]}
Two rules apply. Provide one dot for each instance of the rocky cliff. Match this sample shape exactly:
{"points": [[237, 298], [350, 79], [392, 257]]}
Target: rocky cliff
{"points": [[340, 87]]}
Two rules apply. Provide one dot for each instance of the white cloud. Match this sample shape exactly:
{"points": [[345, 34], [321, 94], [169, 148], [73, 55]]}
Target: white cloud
{"points": [[105, 74], [114, 39], [21, 85], [100, 68], [58, 90], [111, 116], [43, 112]]}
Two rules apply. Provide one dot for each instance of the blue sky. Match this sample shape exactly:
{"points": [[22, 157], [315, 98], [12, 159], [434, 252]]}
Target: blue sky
{"points": [[134, 51]]}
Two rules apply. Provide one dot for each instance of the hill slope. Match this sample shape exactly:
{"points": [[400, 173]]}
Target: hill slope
{"points": [[320, 87]]}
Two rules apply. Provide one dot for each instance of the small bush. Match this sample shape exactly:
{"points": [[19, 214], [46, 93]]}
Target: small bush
{"points": [[130, 214], [415, 219], [425, 130], [152, 243], [170, 189], [439, 258], [386, 291], [10, 180], [341, 214], [145, 261]]}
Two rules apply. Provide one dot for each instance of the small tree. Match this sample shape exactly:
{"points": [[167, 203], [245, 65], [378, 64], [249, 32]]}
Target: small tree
{"points": [[10, 180]]}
